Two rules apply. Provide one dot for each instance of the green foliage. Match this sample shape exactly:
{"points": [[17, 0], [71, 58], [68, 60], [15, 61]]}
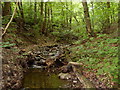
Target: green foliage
{"points": [[6, 44], [5, 19], [65, 35], [100, 53]]}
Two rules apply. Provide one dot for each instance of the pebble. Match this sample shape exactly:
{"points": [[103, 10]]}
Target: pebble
{"points": [[35, 66], [37, 58], [51, 54], [64, 76], [74, 81], [38, 52], [41, 62]]}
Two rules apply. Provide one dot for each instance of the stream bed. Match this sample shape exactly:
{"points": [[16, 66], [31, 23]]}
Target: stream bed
{"points": [[48, 69]]}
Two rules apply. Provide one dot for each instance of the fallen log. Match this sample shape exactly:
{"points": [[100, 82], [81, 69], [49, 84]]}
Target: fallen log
{"points": [[76, 68], [75, 63]]}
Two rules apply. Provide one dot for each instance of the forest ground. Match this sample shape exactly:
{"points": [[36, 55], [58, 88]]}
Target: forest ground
{"points": [[14, 61]]}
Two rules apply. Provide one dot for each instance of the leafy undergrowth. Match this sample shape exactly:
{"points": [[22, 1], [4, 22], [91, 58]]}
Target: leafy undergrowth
{"points": [[100, 59]]}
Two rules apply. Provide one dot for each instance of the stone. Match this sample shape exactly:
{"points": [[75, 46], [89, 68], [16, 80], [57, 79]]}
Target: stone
{"points": [[37, 58], [64, 76], [38, 52], [35, 66], [51, 54], [41, 62], [74, 81], [66, 69]]}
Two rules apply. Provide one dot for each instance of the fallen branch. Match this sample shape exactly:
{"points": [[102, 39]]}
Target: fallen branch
{"points": [[10, 20], [76, 68], [75, 63]]}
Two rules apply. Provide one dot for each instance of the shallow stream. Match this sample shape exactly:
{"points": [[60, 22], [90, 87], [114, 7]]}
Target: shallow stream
{"points": [[37, 78]]}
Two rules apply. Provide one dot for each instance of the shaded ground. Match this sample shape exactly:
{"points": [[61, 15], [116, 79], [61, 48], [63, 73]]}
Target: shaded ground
{"points": [[12, 70]]}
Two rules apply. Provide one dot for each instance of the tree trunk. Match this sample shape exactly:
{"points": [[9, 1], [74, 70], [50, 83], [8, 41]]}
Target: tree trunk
{"points": [[92, 14], [108, 19], [66, 14], [45, 20], [87, 19], [71, 16], [21, 9], [6, 8], [48, 14], [35, 14], [107, 26], [42, 16], [51, 17], [22, 20], [44, 30], [119, 20]]}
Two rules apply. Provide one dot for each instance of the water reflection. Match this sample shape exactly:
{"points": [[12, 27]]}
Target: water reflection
{"points": [[36, 78]]}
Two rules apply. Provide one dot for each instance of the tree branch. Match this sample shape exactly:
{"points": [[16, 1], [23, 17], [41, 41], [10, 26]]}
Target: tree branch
{"points": [[5, 29]]}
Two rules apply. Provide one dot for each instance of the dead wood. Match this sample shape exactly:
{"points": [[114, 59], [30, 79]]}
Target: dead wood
{"points": [[76, 68]]}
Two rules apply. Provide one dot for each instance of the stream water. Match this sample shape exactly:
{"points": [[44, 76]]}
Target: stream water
{"points": [[37, 78]]}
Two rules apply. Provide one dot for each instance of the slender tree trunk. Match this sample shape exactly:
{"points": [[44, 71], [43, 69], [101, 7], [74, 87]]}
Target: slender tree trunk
{"points": [[30, 8], [107, 25], [17, 10], [92, 15], [108, 19], [6, 8], [35, 14], [118, 36], [51, 16], [21, 21], [21, 9], [74, 15], [63, 15], [42, 16], [66, 14], [71, 16], [44, 29], [119, 22], [45, 20], [49, 21], [87, 18]]}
